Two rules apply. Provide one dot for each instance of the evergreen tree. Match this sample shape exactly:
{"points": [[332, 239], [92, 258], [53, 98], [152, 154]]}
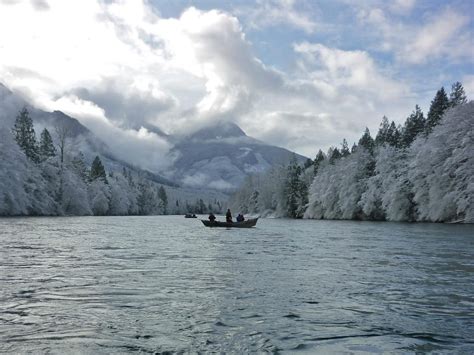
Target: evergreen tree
{"points": [[295, 190], [414, 125], [333, 154], [438, 105], [318, 160], [80, 168], [394, 135], [367, 141], [345, 148], [201, 206], [46, 147], [383, 135], [164, 198], [457, 95], [24, 134], [98, 170]]}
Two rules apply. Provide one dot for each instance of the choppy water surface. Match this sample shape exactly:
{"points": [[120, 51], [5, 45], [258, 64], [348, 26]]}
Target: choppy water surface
{"points": [[158, 284]]}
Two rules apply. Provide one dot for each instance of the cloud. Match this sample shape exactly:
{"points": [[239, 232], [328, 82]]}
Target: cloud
{"points": [[127, 102], [120, 66], [337, 69], [444, 35], [270, 13], [402, 6]]}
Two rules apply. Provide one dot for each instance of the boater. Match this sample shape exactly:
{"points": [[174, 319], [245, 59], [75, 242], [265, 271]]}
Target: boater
{"points": [[228, 216], [211, 217]]}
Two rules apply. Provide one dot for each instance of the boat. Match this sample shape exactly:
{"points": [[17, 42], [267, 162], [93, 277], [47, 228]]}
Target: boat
{"points": [[190, 215], [249, 223]]}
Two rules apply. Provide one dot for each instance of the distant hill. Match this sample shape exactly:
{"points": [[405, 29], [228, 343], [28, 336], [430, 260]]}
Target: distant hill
{"points": [[80, 137], [221, 156], [217, 157]]}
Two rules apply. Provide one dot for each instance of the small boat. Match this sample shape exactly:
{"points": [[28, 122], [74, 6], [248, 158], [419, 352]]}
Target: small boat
{"points": [[249, 223], [190, 215]]}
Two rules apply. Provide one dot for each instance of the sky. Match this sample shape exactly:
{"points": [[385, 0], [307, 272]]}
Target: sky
{"points": [[302, 74]]}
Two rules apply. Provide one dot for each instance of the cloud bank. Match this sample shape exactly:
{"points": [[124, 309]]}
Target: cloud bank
{"points": [[121, 67]]}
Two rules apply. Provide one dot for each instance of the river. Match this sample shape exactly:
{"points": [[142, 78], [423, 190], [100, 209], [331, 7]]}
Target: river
{"points": [[168, 284]]}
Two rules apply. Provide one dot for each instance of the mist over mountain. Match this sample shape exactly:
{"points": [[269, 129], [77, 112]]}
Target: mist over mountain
{"points": [[221, 156], [217, 157]]}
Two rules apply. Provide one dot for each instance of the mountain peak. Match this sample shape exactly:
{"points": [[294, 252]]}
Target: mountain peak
{"points": [[218, 130]]}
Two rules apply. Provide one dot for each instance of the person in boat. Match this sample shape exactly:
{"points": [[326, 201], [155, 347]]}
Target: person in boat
{"points": [[211, 217], [228, 216], [240, 218]]}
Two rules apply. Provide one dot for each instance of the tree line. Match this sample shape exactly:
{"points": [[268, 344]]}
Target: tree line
{"points": [[41, 178], [421, 171]]}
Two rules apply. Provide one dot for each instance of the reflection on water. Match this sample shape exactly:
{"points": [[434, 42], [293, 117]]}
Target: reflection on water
{"points": [[157, 284]]}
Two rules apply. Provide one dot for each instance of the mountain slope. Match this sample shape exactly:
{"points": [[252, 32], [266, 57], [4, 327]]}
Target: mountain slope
{"points": [[222, 156], [80, 138]]}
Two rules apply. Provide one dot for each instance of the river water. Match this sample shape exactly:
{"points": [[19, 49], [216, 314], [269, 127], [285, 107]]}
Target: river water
{"points": [[168, 284]]}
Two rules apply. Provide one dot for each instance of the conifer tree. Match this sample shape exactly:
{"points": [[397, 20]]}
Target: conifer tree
{"points": [[98, 170], [318, 160], [164, 198], [80, 168], [24, 134], [295, 190], [394, 135], [345, 148], [383, 133], [354, 148], [438, 105], [46, 146], [334, 154], [414, 125], [367, 141], [457, 95]]}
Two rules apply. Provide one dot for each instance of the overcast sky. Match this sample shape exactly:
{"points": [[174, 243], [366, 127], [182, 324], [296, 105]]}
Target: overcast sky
{"points": [[298, 74]]}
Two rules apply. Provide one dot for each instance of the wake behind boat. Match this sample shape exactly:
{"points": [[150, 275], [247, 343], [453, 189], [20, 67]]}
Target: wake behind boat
{"points": [[244, 224]]}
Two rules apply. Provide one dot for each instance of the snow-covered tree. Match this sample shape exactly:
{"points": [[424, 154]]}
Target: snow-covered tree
{"points": [[457, 95], [442, 171], [163, 198], [46, 146], [98, 171], [24, 134], [367, 141], [414, 126], [437, 108]]}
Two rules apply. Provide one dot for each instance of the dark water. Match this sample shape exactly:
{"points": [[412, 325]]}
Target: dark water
{"points": [[157, 284]]}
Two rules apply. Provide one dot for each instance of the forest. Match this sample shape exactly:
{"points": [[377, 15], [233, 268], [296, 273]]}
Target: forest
{"points": [[45, 178], [422, 171]]}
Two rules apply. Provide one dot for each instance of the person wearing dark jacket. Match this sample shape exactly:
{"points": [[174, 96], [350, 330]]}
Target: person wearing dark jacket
{"points": [[211, 217], [228, 216], [240, 218]]}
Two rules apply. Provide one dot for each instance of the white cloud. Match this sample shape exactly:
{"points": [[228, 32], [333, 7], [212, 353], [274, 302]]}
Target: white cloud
{"points": [[118, 66], [440, 36], [269, 13], [443, 35], [402, 6]]}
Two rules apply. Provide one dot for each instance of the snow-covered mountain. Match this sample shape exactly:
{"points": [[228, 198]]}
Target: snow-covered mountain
{"points": [[217, 157], [80, 138], [222, 156]]}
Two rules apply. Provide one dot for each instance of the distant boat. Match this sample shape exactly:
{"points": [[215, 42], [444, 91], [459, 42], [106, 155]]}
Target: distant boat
{"points": [[244, 224], [190, 215]]}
